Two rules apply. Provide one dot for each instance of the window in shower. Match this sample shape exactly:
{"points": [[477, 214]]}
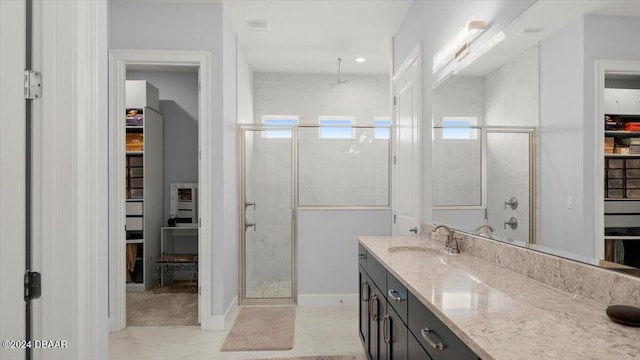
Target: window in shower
{"points": [[279, 121], [336, 127], [459, 128], [382, 128]]}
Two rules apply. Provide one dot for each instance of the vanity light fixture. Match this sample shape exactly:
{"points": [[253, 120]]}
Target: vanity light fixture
{"points": [[463, 38], [360, 59], [495, 40]]}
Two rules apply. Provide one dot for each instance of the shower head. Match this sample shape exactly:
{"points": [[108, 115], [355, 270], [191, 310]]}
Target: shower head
{"points": [[340, 81]]}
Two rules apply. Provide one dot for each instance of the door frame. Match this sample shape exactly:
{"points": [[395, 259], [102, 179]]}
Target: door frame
{"points": [[12, 174], [602, 67], [118, 62], [242, 299], [415, 56]]}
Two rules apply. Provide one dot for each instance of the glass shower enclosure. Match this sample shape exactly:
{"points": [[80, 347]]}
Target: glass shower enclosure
{"points": [[267, 224]]}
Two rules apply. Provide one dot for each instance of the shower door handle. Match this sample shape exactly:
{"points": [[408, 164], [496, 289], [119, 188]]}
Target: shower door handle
{"points": [[248, 225]]}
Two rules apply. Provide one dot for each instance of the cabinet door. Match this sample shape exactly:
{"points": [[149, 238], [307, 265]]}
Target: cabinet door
{"points": [[395, 336], [377, 310], [629, 101], [611, 101], [363, 307]]}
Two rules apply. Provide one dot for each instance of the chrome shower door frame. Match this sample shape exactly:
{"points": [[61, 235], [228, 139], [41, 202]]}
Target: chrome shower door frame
{"points": [[242, 246]]}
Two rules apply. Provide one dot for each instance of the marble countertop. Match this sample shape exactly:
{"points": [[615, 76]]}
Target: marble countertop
{"points": [[501, 314]]}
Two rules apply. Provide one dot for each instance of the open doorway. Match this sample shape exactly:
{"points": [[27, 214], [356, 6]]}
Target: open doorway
{"points": [[157, 243]]}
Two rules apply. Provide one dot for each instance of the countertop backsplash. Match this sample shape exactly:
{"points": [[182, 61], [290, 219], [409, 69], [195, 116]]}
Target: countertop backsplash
{"points": [[604, 286]]}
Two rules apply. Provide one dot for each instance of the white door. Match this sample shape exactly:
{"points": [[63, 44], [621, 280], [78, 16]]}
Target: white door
{"points": [[407, 147], [12, 175]]}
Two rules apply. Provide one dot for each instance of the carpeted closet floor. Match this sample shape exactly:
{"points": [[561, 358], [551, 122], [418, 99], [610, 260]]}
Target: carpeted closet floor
{"points": [[171, 307]]}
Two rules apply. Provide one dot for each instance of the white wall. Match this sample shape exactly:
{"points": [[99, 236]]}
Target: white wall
{"points": [[245, 89], [311, 95], [434, 23], [164, 28]]}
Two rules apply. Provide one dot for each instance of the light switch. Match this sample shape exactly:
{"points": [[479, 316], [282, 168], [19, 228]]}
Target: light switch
{"points": [[569, 202]]}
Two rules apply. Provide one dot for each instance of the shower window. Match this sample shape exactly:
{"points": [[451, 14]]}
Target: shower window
{"points": [[382, 128], [279, 121], [334, 127], [459, 128]]}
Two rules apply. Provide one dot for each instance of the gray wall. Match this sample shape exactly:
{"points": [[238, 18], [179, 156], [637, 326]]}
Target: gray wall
{"points": [[561, 138], [328, 250], [198, 27], [178, 92], [433, 23]]}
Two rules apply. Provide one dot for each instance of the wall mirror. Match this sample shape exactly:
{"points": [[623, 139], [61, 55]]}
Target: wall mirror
{"points": [[519, 140], [183, 204]]}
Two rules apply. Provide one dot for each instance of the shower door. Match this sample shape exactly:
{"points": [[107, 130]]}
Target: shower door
{"points": [[267, 222]]}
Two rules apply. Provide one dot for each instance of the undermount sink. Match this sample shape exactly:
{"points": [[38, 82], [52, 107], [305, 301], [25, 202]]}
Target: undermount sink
{"points": [[421, 249]]}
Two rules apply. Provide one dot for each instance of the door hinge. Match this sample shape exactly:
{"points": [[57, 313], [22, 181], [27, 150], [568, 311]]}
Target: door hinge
{"points": [[32, 84], [32, 288], [395, 101], [394, 159], [199, 222], [395, 218]]}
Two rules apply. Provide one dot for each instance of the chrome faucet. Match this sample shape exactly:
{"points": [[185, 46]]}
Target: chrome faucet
{"points": [[484, 228], [451, 243]]}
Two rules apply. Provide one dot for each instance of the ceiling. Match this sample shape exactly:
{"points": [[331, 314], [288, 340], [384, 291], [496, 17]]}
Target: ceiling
{"points": [[308, 36]]}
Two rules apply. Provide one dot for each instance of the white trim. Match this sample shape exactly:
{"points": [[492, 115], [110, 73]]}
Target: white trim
{"points": [[415, 56], [221, 322], [602, 67], [308, 300], [119, 60]]}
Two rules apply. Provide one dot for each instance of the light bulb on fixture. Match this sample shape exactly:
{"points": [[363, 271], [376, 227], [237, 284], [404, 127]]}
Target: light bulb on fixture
{"points": [[360, 59], [464, 37]]}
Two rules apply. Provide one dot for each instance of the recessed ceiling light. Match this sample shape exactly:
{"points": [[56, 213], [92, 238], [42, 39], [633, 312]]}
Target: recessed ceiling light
{"points": [[361, 59], [258, 25]]}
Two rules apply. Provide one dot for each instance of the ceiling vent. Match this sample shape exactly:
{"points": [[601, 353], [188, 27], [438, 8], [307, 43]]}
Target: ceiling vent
{"points": [[256, 25], [529, 32]]}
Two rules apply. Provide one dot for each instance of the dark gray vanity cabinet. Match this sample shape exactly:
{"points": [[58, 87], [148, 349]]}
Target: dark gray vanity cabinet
{"points": [[363, 308], [434, 336], [395, 325]]}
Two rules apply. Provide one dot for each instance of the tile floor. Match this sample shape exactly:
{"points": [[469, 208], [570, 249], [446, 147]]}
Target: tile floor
{"points": [[319, 331], [270, 289]]}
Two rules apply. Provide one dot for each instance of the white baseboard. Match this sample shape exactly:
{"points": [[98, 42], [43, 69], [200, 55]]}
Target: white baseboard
{"points": [[219, 322], [327, 299]]}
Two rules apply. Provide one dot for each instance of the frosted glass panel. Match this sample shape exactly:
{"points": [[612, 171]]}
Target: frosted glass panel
{"points": [[268, 211], [343, 172], [457, 167]]}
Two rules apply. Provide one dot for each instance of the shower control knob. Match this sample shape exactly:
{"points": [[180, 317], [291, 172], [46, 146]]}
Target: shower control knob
{"points": [[513, 223]]}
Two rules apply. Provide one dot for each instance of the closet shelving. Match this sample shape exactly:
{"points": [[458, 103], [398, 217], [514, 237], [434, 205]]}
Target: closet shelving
{"points": [[144, 183], [622, 176]]}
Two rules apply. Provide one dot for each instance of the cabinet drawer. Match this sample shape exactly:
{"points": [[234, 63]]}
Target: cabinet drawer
{"points": [[397, 296], [415, 350], [377, 273], [420, 319], [362, 256], [134, 208], [133, 223]]}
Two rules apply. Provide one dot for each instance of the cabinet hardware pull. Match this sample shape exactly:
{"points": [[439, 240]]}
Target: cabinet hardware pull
{"points": [[387, 340], [363, 297], [395, 295], [373, 303], [371, 308], [425, 335]]}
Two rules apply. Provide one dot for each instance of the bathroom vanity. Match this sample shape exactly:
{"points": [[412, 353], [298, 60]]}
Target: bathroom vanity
{"points": [[419, 302]]}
